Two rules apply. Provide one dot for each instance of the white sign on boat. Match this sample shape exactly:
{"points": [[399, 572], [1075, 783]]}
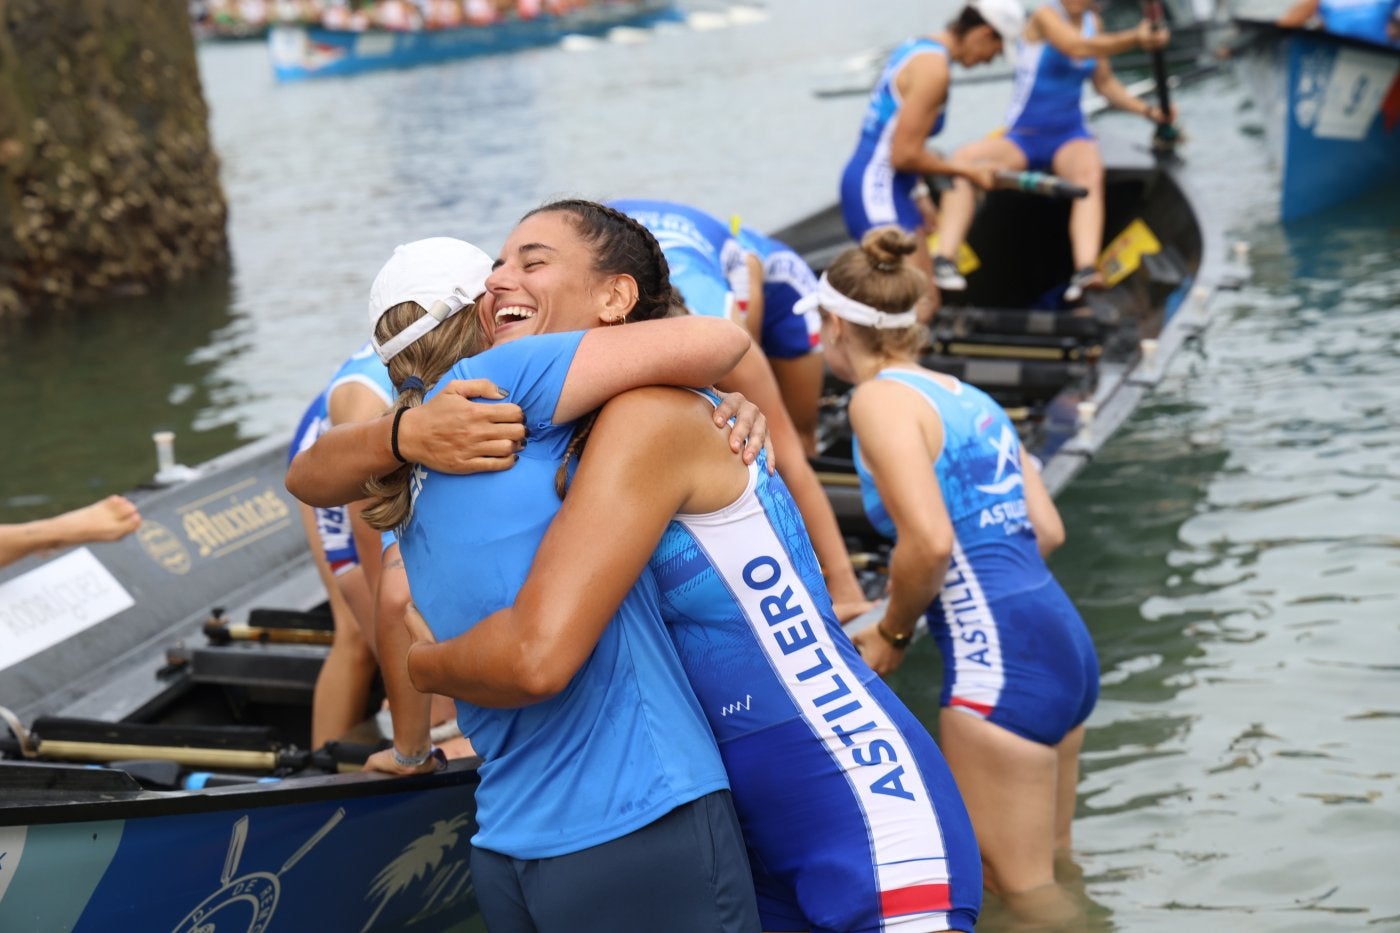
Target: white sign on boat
{"points": [[55, 601]]}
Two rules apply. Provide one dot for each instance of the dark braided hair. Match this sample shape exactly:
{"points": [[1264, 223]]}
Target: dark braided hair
{"points": [[621, 246]]}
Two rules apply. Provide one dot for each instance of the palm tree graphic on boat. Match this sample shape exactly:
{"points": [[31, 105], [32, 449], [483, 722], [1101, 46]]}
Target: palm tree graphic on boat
{"points": [[420, 858]]}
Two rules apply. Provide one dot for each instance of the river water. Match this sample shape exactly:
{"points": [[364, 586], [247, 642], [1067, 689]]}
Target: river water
{"points": [[1235, 550]]}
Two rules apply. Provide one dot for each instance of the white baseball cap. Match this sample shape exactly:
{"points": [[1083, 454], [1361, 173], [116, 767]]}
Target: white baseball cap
{"points": [[443, 275], [1007, 18]]}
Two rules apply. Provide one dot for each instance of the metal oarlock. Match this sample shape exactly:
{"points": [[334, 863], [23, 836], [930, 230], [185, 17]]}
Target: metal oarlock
{"points": [[168, 472]]}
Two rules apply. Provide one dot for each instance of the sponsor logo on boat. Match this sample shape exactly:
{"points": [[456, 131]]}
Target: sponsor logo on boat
{"points": [[1338, 96], [230, 519], [163, 547], [56, 600]]}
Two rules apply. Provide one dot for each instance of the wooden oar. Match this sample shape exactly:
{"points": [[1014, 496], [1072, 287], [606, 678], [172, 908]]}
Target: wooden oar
{"points": [[1165, 135]]}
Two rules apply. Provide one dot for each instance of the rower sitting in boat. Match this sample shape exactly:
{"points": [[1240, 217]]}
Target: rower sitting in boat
{"points": [[1375, 21], [883, 179], [1062, 46], [708, 266]]}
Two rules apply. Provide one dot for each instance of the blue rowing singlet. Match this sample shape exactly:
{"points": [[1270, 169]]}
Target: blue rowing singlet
{"points": [[1015, 650], [872, 192], [625, 742], [787, 279], [707, 262], [1048, 86], [851, 815]]}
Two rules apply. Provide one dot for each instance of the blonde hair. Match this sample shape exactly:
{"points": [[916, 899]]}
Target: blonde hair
{"points": [[877, 274], [429, 358]]}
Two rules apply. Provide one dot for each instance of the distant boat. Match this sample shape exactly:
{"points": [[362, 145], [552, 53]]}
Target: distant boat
{"points": [[311, 51], [1331, 112]]}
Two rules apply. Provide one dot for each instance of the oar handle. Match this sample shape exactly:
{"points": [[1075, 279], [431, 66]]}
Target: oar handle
{"points": [[1164, 135], [1051, 186]]}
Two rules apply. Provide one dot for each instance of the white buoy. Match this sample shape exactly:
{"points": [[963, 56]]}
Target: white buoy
{"points": [[1148, 348]]}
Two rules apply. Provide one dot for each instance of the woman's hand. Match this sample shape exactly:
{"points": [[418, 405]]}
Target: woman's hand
{"points": [[1156, 115], [980, 174], [451, 433], [749, 435], [1150, 38], [882, 657], [847, 611], [385, 762]]}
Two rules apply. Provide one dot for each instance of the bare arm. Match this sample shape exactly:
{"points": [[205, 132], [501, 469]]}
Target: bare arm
{"points": [[1040, 508], [680, 351], [898, 459], [754, 377], [1047, 24], [753, 314], [528, 652], [408, 707], [1299, 14], [450, 432], [104, 520]]}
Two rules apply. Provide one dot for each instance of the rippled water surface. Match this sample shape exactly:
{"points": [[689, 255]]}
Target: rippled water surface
{"points": [[1235, 550]]}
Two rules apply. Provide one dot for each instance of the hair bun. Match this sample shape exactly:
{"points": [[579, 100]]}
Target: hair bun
{"points": [[886, 248]]}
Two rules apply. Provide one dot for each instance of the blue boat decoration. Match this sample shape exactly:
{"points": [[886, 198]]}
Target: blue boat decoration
{"points": [[299, 52], [1334, 103]]}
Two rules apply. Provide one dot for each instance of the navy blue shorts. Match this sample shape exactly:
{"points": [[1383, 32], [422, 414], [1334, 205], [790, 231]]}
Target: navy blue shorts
{"points": [[1040, 148], [684, 873], [1024, 661], [788, 335]]}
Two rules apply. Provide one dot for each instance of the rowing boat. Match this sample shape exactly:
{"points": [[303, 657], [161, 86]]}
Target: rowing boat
{"points": [[1331, 111], [156, 773], [304, 51], [1069, 377]]}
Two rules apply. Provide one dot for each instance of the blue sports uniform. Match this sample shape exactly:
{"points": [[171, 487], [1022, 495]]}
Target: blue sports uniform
{"points": [[625, 742], [333, 524], [1046, 110], [852, 818], [1360, 19], [706, 259], [873, 194], [1015, 650], [787, 279]]}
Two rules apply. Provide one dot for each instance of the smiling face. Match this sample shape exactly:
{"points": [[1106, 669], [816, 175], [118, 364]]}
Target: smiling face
{"points": [[545, 281]]}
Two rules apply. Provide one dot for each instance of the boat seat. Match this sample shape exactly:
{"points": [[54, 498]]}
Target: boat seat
{"points": [[1014, 346], [1018, 321]]}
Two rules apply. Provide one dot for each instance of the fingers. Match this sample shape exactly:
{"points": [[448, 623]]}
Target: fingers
{"points": [[730, 404]]}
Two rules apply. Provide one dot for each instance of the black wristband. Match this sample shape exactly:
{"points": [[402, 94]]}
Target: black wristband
{"points": [[394, 436]]}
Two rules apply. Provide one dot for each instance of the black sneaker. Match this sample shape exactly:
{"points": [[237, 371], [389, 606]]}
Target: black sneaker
{"points": [[946, 275], [1088, 277]]}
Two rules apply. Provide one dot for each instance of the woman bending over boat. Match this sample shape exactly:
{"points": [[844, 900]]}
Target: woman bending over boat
{"points": [[713, 271], [605, 808], [942, 473], [1062, 46], [852, 819], [883, 181]]}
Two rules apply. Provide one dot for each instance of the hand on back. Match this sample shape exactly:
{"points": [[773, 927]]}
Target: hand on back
{"points": [[453, 433]]}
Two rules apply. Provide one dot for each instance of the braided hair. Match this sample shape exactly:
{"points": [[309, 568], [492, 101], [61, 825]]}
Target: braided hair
{"points": [[621, 246]]}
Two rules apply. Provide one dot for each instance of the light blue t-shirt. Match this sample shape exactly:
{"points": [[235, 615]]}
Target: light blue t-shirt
{"points": [[625, 742], [1360, 19]]}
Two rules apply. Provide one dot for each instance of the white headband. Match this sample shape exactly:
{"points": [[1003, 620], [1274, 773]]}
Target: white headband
{"points": [[828, 298], [441, 310]]}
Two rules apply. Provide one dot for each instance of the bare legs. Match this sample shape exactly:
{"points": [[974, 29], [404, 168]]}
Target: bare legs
{"points": [[957, 206], [1020, 795], [1079, 162], [342, 687]]}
